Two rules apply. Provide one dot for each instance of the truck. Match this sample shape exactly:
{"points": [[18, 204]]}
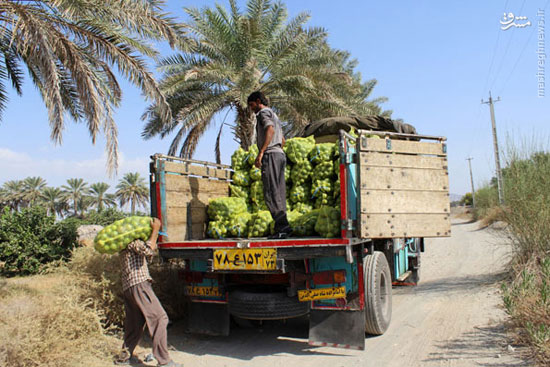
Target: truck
{"points": [[394, 193]]}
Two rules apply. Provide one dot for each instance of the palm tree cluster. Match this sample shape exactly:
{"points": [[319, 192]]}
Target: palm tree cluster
{"points": [[76, 196], [228, 54], [71, 50]]}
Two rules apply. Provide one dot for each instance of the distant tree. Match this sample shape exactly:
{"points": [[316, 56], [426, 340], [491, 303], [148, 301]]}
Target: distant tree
{"points": [[132, 189], [53, 200], [467, 199], [99, 196], [70, 47], [13, 191], [32, 189], [75, 190]]}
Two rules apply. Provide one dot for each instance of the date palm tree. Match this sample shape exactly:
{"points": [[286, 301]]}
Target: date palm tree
{"points": [[13, 191], [99, 196], [54, 200], [233, 54], [32, 189], [132, 189], [71, 50], [75, 190]]}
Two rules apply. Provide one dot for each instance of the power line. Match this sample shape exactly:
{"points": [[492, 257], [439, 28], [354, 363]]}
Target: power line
{"points": [[521, 53], [505, 52], [494, 53]]}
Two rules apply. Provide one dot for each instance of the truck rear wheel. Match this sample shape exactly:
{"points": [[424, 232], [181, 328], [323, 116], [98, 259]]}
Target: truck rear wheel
{"points": [[257, 305], [378, 293]]}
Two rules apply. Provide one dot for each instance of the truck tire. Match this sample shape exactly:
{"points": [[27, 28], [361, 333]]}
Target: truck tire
{"points": [[265, 306], [378, 293]]}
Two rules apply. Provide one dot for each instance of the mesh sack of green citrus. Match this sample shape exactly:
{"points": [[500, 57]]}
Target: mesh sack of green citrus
{"points": [[224, 208], [292, 216], [116, 236], [255, 173], [336, 188], [300, 172], [300, 193], [241, 178], [238, 225], [287, 173], [297, 149], [304, 225], [324, 169], [337, 166], [216, 229], [251, 155], [259, 224], [238, 159], [320, 186], [260, 206], [302, 208], [257, 192], [237, 191], [323, 199], [328, 222], [321, 152]]}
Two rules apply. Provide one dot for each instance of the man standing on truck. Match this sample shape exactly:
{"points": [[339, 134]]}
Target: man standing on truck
{"points": [[141, 305], [271, 160]]}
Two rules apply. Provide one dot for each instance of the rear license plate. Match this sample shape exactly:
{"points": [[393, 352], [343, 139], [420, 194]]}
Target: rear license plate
{"points": [[203, 291], [245, 259], [321, 293]]}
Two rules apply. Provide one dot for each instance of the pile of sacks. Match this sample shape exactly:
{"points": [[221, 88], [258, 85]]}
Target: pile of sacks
{"points": [[313, 189]]}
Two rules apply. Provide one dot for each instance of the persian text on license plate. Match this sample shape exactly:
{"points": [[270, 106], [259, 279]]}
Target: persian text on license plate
{"points": [[203, 291], [321, 293], [245, 259]]}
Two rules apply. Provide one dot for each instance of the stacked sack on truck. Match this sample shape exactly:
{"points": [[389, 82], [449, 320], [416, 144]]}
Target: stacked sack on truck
{"points": [[313, 204]]}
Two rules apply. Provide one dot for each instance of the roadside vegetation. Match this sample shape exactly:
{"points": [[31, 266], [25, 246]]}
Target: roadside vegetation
{"points": [[61, 303], [526, 211]]}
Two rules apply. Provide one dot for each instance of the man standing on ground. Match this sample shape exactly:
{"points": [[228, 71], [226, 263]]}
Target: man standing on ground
{"points": [[272, 161], [141, 305]]}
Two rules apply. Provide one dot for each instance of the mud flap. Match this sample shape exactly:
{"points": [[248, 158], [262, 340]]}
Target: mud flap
{"points": [[207, 318], [338, 329]]}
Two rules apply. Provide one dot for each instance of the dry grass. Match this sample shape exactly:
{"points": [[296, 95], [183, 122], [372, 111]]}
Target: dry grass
{"points": [[492, 215], [45, 320], [72, 315], [527, 300]]}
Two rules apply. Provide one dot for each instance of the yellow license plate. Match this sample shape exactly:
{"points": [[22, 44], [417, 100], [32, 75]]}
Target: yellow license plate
{"points": [[321, 293], [203, 291], [245, 259]]}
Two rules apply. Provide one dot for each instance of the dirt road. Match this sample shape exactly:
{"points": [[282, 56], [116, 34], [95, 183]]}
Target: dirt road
{"points": [[452, 318]]}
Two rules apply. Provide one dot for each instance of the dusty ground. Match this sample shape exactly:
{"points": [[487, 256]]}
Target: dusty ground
{"points": [[453, 318]]}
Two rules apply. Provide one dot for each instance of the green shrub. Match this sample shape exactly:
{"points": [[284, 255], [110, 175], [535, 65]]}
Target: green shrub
{"points": [[106, 216], [30, 238], [486, 198]]}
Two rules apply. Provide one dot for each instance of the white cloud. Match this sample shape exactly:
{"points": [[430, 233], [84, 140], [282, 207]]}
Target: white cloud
{"points": [[17, 165]]}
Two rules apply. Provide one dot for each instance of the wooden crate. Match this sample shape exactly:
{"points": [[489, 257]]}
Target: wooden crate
{"points": [[404, 189]]}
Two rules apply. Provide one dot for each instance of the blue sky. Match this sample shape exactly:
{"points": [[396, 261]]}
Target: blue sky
{"points": [[434, 60]]}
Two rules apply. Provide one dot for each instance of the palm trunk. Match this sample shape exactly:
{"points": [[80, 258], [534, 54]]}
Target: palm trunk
{"points": [[244, 130], [133, 209]]}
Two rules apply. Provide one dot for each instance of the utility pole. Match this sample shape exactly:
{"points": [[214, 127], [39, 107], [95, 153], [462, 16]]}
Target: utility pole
{"points": [[472, 182], [495, 147]]}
